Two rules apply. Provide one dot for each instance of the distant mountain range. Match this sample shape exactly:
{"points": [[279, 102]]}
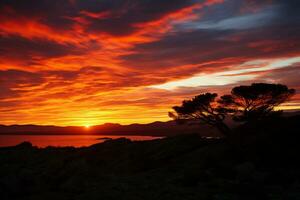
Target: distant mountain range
{"points": [[169, 128], [152, 129]]}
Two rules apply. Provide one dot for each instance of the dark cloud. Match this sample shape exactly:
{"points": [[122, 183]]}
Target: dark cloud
{"points": [[54, 13], [278, 36], [123, 15], [208, 45], [288, 75], [126, 14], [15, 82], [30, 51], [289, 12], [173, 50]]}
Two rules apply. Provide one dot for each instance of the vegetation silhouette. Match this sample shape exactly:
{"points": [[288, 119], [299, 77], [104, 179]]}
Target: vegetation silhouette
{"points": [[255, 102], [203, 108], [245, 103]]}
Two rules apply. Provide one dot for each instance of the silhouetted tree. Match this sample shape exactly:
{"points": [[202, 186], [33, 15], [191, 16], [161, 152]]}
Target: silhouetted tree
{"points": [[254, 102], [203, 108]]}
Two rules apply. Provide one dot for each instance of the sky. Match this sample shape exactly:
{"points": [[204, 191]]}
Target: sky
{"points": [[88, 62]]}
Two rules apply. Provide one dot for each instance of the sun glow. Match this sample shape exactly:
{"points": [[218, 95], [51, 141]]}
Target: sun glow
{"points": [[87, 126]]}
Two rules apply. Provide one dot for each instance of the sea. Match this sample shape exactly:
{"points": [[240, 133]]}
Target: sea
{"points": [[64, 140]]}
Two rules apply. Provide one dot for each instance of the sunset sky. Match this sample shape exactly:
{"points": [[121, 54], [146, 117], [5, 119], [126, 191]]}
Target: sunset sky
{"points": [[87, 62]]}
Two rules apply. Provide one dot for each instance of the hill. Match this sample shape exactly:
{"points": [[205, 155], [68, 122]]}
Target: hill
{"points": [[153, 129]]}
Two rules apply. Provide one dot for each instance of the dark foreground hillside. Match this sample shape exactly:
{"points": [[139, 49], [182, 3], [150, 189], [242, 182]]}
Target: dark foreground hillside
{"points": [[259, 162]]}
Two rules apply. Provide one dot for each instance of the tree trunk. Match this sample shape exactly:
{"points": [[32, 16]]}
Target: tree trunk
{"points": [[223, 128]]}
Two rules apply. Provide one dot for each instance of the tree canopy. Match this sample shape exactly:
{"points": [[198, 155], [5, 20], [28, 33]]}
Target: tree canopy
{"points": [[203, 108], [245, 103], [255, 101]]}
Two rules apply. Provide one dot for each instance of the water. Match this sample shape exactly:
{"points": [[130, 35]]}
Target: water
{"points": [[62, 140]]}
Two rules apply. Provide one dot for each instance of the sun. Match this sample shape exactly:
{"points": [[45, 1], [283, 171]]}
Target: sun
{"points": [[87, 126]]}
